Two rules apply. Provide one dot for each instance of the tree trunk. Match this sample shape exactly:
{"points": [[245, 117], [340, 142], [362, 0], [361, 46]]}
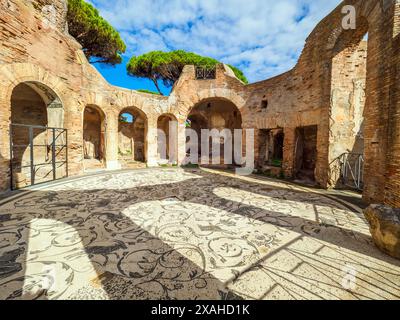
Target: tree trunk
{"points": [[157, 86]]}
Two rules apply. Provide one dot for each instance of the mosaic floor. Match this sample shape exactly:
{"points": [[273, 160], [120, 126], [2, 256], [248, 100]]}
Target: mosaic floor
{"points": [[194, 234]]}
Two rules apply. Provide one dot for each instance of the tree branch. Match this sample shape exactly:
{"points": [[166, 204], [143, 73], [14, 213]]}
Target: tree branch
{"points": [[157, 86]]}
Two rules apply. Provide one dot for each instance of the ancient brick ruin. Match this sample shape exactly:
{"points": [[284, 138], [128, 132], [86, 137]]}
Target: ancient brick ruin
{"points": [[343, 96]]}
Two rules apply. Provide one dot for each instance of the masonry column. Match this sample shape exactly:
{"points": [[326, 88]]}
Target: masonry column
{"points": [[181, 141], [74, 114], [5, 116], [289, 149], [151, 142], [111, 137], [257, 145]]}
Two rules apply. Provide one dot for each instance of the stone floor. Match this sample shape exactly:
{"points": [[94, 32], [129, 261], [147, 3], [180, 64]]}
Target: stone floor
{"points": [[187, 234]]}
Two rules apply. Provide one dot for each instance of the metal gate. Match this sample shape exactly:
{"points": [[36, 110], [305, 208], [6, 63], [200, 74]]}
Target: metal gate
{"points": [[352, 170], [38, 154], [349, 167]]}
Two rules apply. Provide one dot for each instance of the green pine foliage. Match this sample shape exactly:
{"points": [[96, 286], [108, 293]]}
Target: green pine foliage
{"points": [[168, 66], [239, 74], [97, 37]]}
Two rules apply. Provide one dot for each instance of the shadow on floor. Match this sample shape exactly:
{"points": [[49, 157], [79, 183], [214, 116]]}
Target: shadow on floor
{"points": [[91, 233]]}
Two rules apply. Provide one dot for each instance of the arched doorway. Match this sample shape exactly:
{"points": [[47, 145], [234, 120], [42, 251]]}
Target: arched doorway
{"points": [[94, 138], [132, 127], [167, 139], [219, 114], [38, 140]]}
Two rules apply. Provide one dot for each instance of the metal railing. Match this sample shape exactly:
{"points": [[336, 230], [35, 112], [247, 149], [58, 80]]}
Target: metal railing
{"points": [[55, 149], [351, 167], [205, 73]]}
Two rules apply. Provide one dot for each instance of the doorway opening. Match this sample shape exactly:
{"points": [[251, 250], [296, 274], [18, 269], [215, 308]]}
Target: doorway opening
{"points": [[306, 153], [38, 141], [270, 153], [94, 138], [167, 139], [219, 114], [132, 128], [271, 143]]}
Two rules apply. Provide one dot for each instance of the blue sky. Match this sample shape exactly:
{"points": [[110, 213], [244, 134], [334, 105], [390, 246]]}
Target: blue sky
{"points": [[264, 38], [118, 76]]}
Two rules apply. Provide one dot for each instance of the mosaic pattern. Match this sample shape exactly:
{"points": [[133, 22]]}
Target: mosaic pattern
{"points": [[187, 234]]}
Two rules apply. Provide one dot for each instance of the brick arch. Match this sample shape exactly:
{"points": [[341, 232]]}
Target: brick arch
{"points": [[95, 99], [330, 30], [11, 76], [26, 72], [350, 38], [134, 110], [379, 91], [104, 115], [218, 94], [168, 114], [123, 99], [340, 38]]}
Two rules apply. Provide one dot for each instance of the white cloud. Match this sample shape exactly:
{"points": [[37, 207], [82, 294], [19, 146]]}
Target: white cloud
{"points": [[262, 37]]}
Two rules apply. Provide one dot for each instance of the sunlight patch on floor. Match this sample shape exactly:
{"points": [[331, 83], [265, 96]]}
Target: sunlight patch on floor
{"points": [[305, 207], [177, 234]]}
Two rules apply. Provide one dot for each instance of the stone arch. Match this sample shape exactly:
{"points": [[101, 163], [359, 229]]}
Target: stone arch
{"points": [[36, 113], [350, 38], [366, 11], [132, 144], [14, 74], [123, 99], [214, 113], [207, 105], [11, 75], [212, 94]]}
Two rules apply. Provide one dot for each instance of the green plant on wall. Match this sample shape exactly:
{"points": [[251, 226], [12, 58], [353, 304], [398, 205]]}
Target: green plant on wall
{"points": [[276, 162], [148, 91]]}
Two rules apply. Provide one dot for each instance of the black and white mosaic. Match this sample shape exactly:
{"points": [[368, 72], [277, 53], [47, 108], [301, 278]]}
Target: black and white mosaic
{"points": [[179, 234]]}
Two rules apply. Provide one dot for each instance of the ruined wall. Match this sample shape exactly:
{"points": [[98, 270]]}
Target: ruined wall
{"points": [[25, 39], [309, 95], [392, 174], [349, 71], [348, 101], [305, 96]]}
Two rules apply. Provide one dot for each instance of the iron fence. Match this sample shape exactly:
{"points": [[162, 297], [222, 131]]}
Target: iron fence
{"points": [[351, 167], [37, 154]]}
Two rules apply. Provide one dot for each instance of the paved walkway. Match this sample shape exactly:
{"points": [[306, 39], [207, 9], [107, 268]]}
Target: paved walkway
{"points": [[187, 234]]}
